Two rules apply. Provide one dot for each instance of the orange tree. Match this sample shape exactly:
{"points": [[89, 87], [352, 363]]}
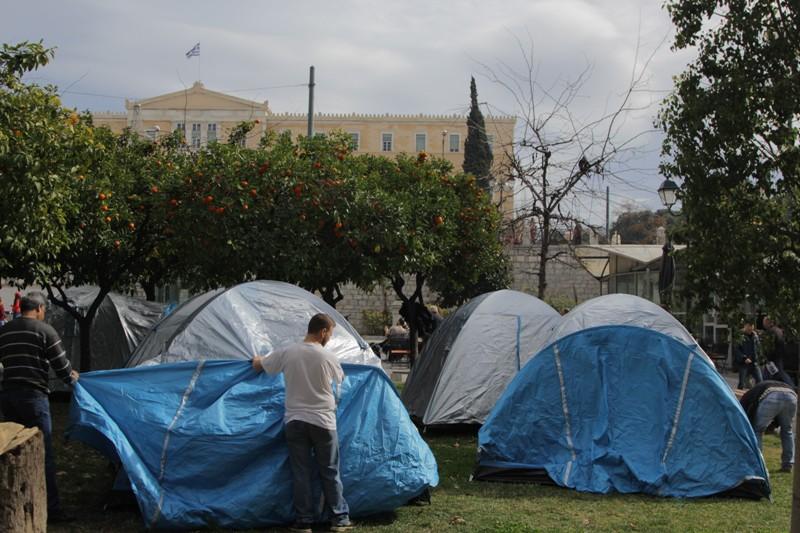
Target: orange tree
{"points": [[318, 220], [120, 224], [431, 225], [223, 195], [42, 145], [282, 211]]}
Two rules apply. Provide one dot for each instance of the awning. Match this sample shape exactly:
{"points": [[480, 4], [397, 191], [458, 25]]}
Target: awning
{"points": [[595, 257]]}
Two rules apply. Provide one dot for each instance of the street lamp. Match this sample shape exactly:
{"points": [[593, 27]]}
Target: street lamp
{"points": [[668, 192], [444, 134]]}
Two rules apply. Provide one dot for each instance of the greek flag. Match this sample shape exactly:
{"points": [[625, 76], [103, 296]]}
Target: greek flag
{"points": [[195, 51]]}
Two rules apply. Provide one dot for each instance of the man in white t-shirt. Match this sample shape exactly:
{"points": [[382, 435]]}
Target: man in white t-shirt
{"points": [[310, 372]]}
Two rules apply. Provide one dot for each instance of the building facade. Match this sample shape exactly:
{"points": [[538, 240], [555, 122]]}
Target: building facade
{"points": [[208, 116]]}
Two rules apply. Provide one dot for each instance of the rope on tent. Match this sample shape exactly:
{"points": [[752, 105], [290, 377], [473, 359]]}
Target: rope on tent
{"points": [[679, 407], [178, 412], [564, 407], [519, 328]]}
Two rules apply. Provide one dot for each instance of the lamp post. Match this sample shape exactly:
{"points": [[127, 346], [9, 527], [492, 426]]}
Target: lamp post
{"points": [[668, 192], [444, 134]]}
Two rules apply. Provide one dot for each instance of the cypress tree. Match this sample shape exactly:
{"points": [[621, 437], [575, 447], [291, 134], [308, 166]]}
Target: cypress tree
{"points": [[477, 153]]}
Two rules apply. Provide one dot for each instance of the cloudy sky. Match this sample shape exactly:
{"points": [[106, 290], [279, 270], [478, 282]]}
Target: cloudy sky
{"points": [[370, 57]]}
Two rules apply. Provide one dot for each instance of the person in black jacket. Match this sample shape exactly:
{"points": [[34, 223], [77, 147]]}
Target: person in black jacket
{"points": [[774, 368], [746, 354], [29, 349], [773, 401]]}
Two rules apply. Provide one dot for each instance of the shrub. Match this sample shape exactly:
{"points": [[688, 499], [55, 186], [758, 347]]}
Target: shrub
{"points": [[375, 321]]}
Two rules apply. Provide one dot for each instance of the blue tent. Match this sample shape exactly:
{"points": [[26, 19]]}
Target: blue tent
{"points": [[622, 409], [203, 445]]}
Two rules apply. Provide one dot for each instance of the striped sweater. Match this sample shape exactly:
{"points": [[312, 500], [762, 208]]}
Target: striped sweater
{"points": [[29, 348]]}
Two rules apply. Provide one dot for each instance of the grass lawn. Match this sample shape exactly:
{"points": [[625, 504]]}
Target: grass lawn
{"points": [[461, 505]]}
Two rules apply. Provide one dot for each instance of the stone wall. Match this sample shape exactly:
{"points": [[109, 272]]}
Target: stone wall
{"points": [[567, 284], [381, 298], [566, 279]]}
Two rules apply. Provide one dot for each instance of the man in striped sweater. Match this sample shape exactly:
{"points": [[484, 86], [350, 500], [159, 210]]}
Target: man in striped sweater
{"points": [[29, 348]]}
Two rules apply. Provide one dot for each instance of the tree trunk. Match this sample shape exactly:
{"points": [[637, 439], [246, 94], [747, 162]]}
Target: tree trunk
{"points": [[85, 328], [795, 522], [412, 335], [149, 291], [332, 295], [543, 251], [397, 284], [23, 492], [84, 321]]}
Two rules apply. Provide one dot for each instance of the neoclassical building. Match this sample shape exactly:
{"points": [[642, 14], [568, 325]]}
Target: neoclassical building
{"points": [[208, 116]]}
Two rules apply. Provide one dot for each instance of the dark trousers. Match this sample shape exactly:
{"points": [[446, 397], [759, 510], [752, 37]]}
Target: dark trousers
{"points": [[746, 370], [32, 409], [303, 438]]}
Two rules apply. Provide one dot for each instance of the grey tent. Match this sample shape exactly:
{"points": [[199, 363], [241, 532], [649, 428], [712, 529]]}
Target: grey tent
{"points": [[120, 324], [474, 354], [621, 310], [248, 319]]}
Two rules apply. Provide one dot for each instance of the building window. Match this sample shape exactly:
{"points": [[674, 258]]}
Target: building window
{"points": [[355, 140], [386, 142], [181, 127], [490, 141], [421, 141], [455, 140], [195, 135], [211, 136]]}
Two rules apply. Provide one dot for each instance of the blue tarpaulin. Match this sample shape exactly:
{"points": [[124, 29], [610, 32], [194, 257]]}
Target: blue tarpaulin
{"points": [[623, 409], [202, 443]]}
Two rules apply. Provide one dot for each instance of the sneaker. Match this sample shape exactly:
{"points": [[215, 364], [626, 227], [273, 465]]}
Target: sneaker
{"points": [[59, 517], [301, 527], [787, 469], [342, 526]]}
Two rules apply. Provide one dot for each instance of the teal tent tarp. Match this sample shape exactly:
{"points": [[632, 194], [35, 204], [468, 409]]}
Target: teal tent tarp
{"points": [[623, 409], [202, 443]]}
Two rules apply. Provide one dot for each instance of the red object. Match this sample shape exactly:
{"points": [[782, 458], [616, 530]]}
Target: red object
{"points": [[15, 307]]}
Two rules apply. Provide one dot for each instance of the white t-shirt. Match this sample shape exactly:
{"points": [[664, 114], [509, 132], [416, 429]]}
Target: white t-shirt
{"points": [[309, 371]]}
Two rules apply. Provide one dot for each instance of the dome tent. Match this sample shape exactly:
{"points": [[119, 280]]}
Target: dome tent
{"points": [[119, 326], [472, 356], [248, 319], [620, 310], [620, 408], [203, 442]]}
